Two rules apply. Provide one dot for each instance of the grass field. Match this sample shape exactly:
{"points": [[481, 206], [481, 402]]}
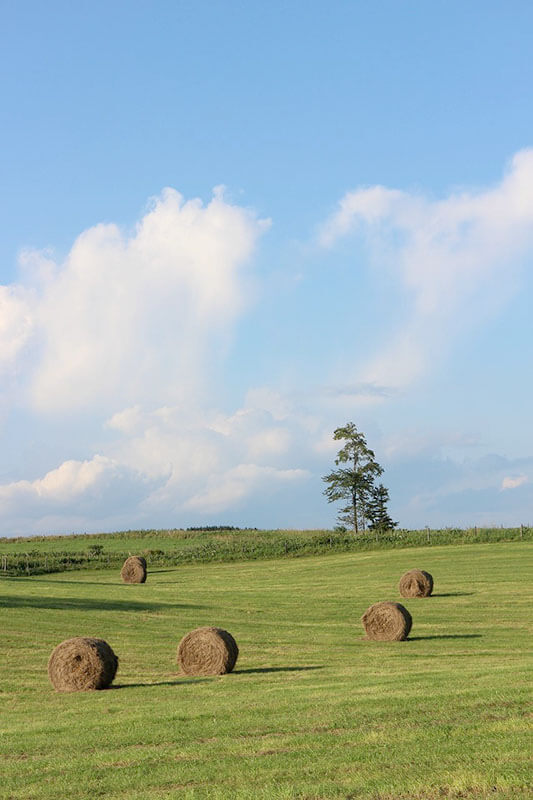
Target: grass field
{"points": [[39, 555], [312, 710]]}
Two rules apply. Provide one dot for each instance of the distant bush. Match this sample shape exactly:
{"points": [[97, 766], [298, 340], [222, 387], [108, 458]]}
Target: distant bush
{"points": [[208, 528]]}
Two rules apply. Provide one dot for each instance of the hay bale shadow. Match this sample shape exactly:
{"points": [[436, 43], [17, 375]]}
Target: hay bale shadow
{"points": [[447, 636], [260, 670], [185, 681], [88, 604]]}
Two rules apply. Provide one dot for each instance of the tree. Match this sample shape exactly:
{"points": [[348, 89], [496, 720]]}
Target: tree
{"points": [[376, 510], [354, 480]]}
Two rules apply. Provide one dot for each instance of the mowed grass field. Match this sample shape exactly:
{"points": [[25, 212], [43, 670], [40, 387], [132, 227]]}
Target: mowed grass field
{"points": [[312, 710]]}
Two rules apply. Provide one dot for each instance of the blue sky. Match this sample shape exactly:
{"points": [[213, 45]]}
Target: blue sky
{"points": [[229, 228]]}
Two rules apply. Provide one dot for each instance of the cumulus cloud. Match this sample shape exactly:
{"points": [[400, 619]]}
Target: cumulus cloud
{"points": [[127, 314], [456, 257], [206, 460], [227, 489], [170, 465], [92, 486], [127, 335], [130, 330], [16, 324]]}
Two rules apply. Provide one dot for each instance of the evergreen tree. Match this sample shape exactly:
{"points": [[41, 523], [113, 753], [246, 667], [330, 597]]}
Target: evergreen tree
{"points": [[354, 480], [376, 510]]}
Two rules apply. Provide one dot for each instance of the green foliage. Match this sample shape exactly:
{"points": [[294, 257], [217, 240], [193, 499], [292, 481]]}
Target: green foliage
{"points": [[354, 480], [312, 710], [95, 550], [217, 528], [376, 510]]}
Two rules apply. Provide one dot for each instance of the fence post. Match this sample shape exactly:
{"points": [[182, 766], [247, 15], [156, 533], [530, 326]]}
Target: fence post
{"points": [[427, 534], [521, 531]]}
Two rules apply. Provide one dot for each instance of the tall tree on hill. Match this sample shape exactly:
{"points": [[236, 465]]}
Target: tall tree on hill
{"points": [[376, 510], [353, 481]]}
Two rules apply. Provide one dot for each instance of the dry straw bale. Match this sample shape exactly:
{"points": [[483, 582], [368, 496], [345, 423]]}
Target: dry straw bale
{"points": [[82, 663], [207, 651], [134, 570], [387, 622], [416, 583]]}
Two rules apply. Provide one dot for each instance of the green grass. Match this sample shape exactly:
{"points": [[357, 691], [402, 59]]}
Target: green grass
{"points": [[312, 709], [39, 555]]}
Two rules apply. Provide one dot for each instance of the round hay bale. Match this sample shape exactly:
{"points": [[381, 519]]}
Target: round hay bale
{"points": [[416, 583], [207, 651], [387, 622], [134, 570], [81, 664]]}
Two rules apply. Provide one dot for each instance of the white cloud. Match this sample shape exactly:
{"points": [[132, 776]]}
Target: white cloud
{"points": [[127, 317], [258, 432], [229, 488], [130, 330], [16, 325], [197, 455], [368, 205], [63, 486], [513, 482], [128, 420], [269, 442], [173, 463], [128, 334], [457, 259]]}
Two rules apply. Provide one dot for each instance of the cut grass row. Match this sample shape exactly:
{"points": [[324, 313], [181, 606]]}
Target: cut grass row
{"points": [[312, 709]]}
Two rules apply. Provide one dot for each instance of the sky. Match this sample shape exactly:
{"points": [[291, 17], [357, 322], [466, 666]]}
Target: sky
{"points": [[230, 227]]}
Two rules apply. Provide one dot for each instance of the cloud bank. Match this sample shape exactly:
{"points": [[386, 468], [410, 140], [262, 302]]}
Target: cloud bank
{"points": [[129, 317], [127, 338], [457, 259], [131, 329]]}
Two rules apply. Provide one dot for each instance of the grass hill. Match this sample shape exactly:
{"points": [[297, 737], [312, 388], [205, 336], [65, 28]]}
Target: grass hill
{"points": [[311, 711], [37, 555]]}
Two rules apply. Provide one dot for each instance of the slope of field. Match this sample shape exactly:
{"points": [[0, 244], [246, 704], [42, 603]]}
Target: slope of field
{"points": [[38, 555], [312, 709]]}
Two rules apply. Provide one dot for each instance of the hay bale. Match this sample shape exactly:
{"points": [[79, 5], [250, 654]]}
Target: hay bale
{"points": [[207, 651], [387, 622], [81, 664], [416, 583], [134, 570]]}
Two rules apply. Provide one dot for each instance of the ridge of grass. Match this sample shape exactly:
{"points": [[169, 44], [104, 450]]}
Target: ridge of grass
{"points": [[39, 555]]}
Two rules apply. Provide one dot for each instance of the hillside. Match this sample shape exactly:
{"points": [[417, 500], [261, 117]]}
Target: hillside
{"points": [[46, 554], [312, 710]]}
